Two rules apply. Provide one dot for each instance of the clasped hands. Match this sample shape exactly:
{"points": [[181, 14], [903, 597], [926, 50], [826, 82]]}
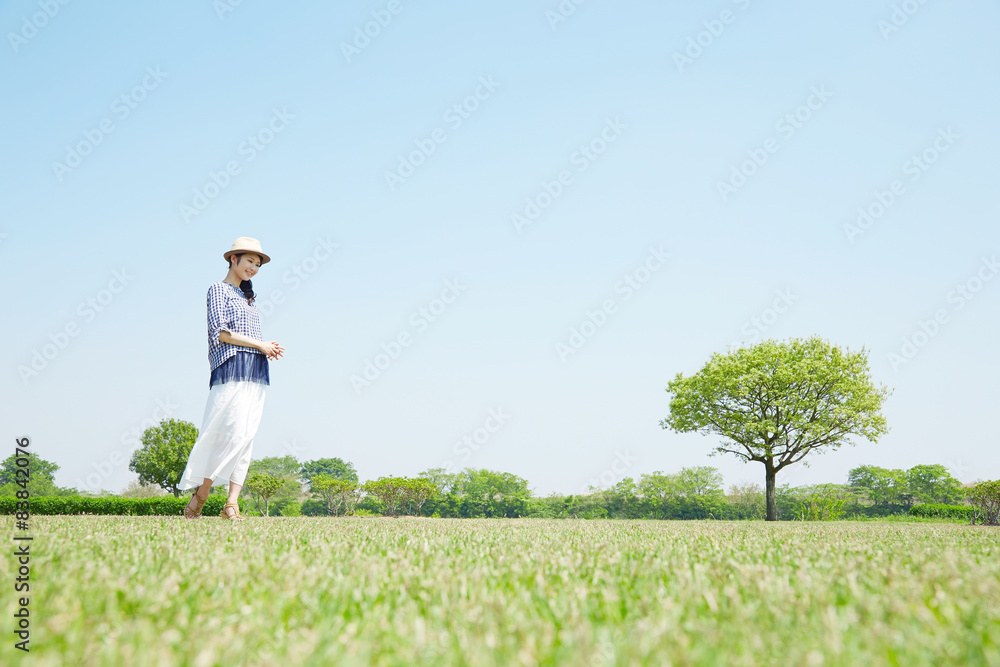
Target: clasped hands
{"points": [[272, 349]]}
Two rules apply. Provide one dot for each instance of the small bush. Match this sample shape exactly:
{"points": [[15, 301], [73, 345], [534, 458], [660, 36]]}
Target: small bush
{"points": [[942, 511], [291, 509]]}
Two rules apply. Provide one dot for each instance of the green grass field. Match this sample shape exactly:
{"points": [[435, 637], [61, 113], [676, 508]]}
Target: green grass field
{"points": [[375, 591]]}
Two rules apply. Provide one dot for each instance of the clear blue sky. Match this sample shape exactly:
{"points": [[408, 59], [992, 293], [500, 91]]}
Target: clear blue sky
{"points": [[116, 115]]}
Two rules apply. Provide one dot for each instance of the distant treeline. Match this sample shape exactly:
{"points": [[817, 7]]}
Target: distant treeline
{"points": [[284, 486], [691, 493]]}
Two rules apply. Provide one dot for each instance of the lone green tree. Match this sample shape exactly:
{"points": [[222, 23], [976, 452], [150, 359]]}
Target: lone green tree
{"points": [[336, 492], [777, 402], [288, 472], [263, 486], [389, 490], [164, 453]]}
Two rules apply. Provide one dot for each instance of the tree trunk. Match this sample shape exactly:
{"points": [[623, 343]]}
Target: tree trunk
{"points": [[772, 508]]}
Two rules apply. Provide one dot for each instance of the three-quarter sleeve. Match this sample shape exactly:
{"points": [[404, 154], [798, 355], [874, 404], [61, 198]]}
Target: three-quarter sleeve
{"points": [[219, 315]]}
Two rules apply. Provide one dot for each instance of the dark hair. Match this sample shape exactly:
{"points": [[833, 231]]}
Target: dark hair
{"points": [[245, 285]]}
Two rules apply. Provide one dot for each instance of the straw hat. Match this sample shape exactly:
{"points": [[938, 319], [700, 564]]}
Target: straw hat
{"points": [[246, 244]]}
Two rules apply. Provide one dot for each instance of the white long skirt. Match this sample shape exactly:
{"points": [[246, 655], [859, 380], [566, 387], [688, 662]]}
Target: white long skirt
{"points": [[225, 442]]}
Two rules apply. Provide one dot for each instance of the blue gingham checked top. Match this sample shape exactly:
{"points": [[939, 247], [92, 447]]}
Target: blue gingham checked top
{"points": [[228, 310]]}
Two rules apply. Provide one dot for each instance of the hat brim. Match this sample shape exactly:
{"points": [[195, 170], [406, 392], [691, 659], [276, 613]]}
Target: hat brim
{"points": [[264, 259]]}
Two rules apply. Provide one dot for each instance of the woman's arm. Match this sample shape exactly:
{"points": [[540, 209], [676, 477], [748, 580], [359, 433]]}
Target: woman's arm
{"points": [[239, 339], [270, 348]]}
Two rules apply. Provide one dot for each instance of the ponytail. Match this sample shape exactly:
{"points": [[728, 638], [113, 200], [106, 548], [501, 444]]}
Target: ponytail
{"points": [[245, 285]]}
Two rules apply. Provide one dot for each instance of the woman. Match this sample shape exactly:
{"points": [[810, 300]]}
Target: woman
{"points": [[239, 361]]}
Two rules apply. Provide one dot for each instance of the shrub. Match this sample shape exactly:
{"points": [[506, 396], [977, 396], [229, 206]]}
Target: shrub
{"points": [[161, 506], [943, 511], [985, 498], [315, 508], [291, 509]]}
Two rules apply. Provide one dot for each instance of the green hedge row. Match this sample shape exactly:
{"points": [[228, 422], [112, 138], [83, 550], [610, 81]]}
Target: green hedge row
{"points": [[161, 506], [940, 510], [170, 506]]}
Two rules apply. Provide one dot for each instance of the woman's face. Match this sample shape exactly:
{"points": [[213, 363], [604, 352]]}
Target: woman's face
{"points": [[248, 266]]}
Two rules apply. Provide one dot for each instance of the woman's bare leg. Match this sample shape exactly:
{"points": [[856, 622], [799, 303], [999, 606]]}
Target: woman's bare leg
{"points": [[234, 495], [202, 492]]}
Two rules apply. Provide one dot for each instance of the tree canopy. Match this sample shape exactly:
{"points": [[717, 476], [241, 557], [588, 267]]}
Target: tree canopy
{"points": [[478, 492], [776, 402], [279, 466], [288, 471], [933, 484], [884, 487], [337, 493], [690, 493], [41, 477], [263, 486], [335, 467], [985, 497], [400, 494], [164, 453], [37, 467]]}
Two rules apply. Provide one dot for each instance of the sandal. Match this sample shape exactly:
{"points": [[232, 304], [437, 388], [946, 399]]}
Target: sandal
{"points": [[198, 504], [235, 516]]}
